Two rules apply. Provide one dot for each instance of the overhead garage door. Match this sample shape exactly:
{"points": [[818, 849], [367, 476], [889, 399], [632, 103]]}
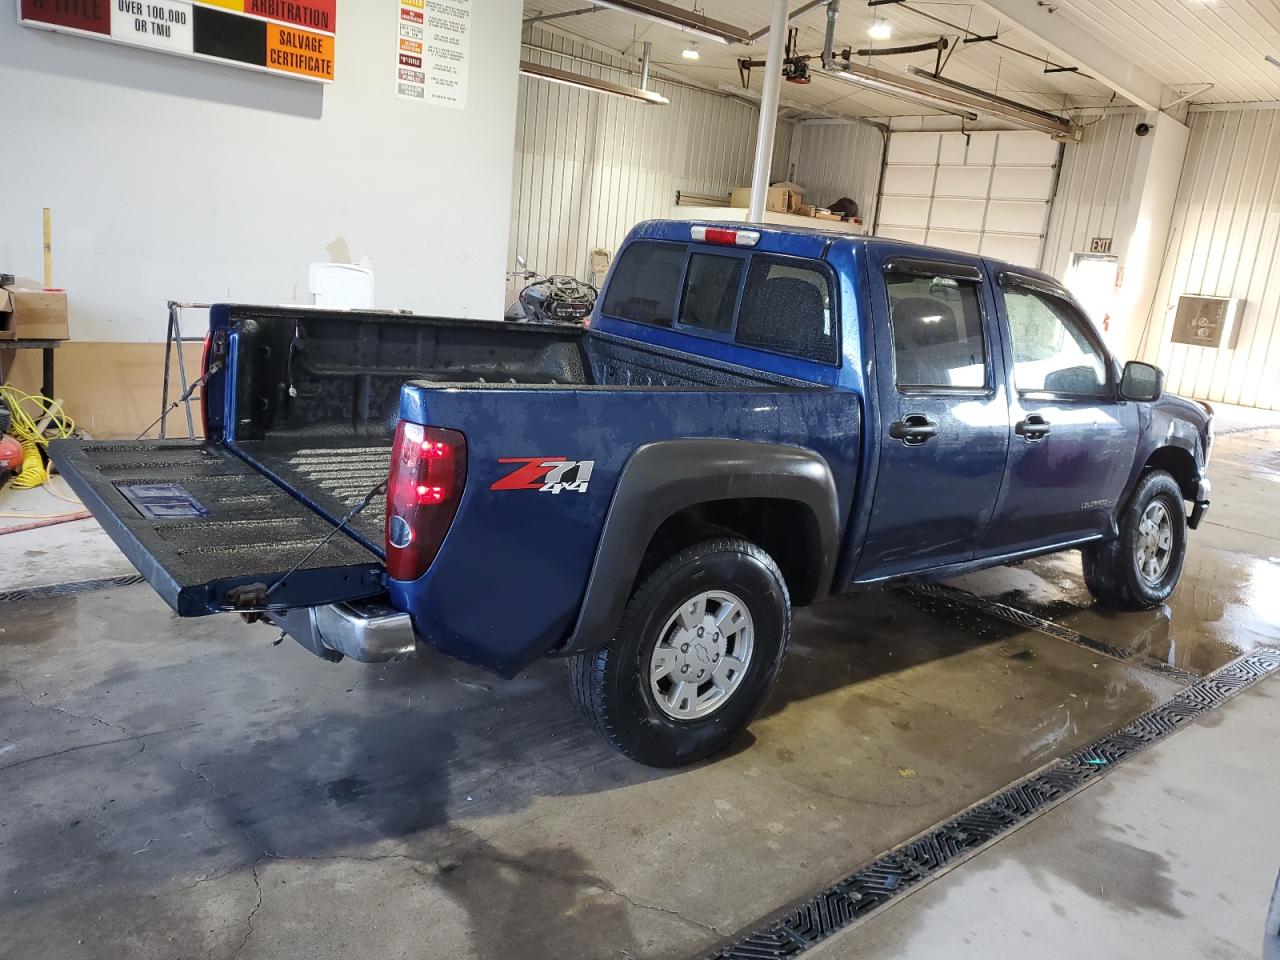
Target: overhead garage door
{"points": [[985, 192]]}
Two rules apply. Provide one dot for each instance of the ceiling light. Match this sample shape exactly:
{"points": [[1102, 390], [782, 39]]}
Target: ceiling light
{"points": [[696, 24], [543, 72], [880, 30], [691, 52]]}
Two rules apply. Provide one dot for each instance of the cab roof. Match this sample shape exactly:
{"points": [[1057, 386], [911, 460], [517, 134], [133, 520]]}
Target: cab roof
{"points": [[814, 242]]}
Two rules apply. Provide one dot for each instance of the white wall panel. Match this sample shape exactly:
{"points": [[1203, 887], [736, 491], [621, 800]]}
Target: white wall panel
{"points": [[909, 180], [835, 160], [176, 178], [1225, 242], [1094, 185], [962, 182], [589, 166], [910, 212]]}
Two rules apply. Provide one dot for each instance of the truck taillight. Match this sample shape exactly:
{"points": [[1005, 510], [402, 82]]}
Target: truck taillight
{"points": [[428, 472]]}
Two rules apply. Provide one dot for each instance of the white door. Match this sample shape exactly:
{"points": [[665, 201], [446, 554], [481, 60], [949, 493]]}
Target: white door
{"points": [[987, 192]]}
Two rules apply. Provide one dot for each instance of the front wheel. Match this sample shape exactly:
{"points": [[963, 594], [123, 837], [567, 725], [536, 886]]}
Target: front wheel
{"points": [[696, 653], [1139, 570]]}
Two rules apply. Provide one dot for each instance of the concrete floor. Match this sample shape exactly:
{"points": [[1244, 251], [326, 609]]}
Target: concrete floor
{"points": [[185, 789], [1175, 855]]}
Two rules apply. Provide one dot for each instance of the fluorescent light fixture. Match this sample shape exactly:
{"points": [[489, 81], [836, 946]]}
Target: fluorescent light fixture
{"points": [[880, 30], [686, 21], [543, 72], [997, 106], [871, 80], [691, 52]]}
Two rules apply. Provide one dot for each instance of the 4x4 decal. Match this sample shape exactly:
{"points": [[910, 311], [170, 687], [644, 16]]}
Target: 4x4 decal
{"points": [[546, 474]]}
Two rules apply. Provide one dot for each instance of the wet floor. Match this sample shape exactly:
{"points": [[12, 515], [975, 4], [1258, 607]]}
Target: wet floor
{"points": [[185, 789]]}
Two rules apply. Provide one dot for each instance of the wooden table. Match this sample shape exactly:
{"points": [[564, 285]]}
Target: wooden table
{"points": [[46, 347]]}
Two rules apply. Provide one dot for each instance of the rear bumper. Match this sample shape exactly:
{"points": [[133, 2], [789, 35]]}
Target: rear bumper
{"points": [[370, 631]]}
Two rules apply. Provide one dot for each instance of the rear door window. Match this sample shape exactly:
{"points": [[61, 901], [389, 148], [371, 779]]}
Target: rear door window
{"points": [[711, 292], [644, 284], [937, 331], [788, 308]]}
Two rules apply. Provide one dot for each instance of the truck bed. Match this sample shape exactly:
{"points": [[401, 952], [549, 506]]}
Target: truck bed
{"points": [[331, 442], [307, 433]]}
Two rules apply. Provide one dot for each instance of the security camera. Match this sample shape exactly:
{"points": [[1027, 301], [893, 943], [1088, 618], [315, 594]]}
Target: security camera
{"points": [[1142, 129]]}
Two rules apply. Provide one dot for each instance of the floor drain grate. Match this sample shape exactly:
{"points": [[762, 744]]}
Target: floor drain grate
{"points": [[68, 589], [1031, 621], [949, 844]]}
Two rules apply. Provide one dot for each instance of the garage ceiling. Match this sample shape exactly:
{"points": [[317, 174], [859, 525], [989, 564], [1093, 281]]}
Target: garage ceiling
{"points": [[1182, 43]]}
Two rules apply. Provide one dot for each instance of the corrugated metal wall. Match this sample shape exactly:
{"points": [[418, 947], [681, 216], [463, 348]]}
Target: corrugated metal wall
{"points": [[839, 160], [1092, 186], [1225, 242], [589, 166]]}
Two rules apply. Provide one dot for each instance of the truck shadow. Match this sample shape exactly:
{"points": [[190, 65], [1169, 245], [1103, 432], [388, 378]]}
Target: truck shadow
{"points": [[202, 757]]}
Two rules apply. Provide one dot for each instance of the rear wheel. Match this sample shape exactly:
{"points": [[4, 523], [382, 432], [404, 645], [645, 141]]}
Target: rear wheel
{"points": [[696, 653], [1140, 569]]}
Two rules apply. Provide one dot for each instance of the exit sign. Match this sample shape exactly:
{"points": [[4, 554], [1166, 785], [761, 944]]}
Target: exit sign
{"points": [[1100, 245]]}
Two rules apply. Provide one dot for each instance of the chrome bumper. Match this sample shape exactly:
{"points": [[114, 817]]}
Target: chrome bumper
{"points": [[370, 631]]}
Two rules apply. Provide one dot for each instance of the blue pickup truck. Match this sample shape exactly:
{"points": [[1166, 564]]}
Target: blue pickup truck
{"points": [[754, 419]]}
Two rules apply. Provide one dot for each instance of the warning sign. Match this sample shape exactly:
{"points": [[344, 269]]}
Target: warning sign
{"points": [[433, 51], [292, 37], [298, 51]]}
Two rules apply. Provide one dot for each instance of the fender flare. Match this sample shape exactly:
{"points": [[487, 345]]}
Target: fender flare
{"points": [[662, 478]]}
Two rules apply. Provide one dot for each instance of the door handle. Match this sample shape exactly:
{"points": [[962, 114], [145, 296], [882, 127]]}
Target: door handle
{"points": [[1034, 428], [913, 430]]}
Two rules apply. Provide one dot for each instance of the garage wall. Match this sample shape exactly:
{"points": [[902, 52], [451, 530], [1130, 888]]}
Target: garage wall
{"points": [[837, 158], [1097, 175], [1225, 242], [589, 166], [985, 192], [174, 178]]}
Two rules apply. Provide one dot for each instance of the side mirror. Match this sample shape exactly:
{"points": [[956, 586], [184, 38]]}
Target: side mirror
{"points": [[1141, 382]]}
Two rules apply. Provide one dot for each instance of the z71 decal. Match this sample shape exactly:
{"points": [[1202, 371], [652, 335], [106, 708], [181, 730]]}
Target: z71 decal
{"points": [[546, 474]]}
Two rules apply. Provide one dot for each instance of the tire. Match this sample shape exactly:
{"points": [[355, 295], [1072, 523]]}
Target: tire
{"points": [[614, 686], [1114, 571]]}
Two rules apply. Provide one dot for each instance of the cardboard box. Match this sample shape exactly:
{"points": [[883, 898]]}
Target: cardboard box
{"points": [[779, 199], [30, 313]]}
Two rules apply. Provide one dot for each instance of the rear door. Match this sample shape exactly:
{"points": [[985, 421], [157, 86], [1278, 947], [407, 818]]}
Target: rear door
{"points": [[1072, 439], [944, 430], [199, 522]]}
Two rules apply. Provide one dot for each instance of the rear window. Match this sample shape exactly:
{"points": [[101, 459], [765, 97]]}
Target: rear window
{"points": [[644, 284], [711, 292], [787, 308]]}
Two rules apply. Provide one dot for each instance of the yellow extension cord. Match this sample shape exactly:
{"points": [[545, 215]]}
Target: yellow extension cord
{"points": [[28, 411]]}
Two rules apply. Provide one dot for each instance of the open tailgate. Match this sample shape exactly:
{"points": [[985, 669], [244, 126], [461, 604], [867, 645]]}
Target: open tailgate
{"points": [[197, 522]]}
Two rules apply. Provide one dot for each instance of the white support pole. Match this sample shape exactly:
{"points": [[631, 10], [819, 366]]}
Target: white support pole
{"points": [[768, 112]]}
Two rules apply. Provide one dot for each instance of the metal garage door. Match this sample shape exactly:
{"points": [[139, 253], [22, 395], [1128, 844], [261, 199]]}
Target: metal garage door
{"points": [[985, 192]]}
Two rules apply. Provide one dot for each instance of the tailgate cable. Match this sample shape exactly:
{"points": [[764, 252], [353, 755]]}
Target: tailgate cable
{"points": [[196, 385], [266, 593]]}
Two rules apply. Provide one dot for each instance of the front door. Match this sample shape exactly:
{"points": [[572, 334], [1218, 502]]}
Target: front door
{"points": [[1072, 440], [944, 412]]}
